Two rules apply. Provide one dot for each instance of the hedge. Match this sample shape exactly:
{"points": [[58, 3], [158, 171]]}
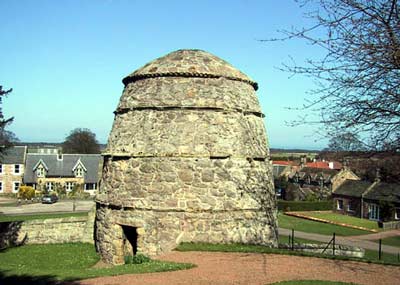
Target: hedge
{"points": [[304, 205]]}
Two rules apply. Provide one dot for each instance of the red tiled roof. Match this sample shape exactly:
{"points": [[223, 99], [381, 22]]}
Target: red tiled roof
{"points": [[282, 162], [318, 164], [324, 164]]}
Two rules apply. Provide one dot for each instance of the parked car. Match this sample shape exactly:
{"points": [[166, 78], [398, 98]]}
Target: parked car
{"points": [[49, 199]]}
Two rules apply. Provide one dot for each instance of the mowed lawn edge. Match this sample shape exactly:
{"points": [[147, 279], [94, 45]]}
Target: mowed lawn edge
{"points": [[304, 225], [68, 262], [344, 220]]}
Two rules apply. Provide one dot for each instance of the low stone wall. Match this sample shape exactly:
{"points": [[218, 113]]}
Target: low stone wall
{"points": [[61, 230], [393, 225], [340, 250]]}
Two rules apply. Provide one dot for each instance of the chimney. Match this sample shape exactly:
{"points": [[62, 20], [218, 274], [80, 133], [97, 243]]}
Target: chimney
{"points": [[378, 175]]}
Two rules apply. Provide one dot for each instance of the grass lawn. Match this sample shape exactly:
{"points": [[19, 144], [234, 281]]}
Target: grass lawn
{"points": [[74, 261], [333, 217], [393, 241], [311, 282], [12, 218], [304, 225]]}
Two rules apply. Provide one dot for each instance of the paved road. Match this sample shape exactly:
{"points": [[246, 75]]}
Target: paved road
{"points": [[352, 240], [61, 206]]}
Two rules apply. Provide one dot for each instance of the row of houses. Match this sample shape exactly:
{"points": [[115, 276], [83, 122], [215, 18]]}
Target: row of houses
{"points": [[377, 200], [48, 169]]}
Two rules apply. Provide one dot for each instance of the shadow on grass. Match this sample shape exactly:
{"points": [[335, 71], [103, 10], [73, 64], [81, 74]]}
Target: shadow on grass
{"points": [[37, 280]]}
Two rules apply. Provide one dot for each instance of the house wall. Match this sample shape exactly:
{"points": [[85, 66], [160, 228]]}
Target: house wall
{"points": [[8, 177], [342, 176], [346, 201]]}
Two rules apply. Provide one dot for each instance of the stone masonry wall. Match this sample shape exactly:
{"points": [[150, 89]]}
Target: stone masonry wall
{"points": [[187, 160], [61, 230], [8, 177]]}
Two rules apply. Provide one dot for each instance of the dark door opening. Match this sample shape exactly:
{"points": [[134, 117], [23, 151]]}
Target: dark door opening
{"points": [[130, 235]]}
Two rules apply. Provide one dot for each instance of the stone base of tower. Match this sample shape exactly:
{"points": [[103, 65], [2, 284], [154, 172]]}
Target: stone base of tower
{"points": [[122, 231]]}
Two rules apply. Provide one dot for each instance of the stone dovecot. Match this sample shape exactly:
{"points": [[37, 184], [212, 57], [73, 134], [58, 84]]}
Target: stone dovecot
{"points": [[187, 160]]}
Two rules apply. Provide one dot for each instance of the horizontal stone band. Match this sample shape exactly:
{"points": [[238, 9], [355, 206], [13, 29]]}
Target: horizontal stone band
{"points": [[136, 77]]}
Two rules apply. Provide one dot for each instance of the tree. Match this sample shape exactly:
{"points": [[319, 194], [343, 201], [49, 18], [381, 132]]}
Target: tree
{"points": [[358, 78], [6, 137], [345, 142], [81, 141]]}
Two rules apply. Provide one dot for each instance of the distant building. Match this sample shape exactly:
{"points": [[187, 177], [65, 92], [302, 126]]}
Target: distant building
{"points": [[367, 200], [52, 171], [12, 163]]}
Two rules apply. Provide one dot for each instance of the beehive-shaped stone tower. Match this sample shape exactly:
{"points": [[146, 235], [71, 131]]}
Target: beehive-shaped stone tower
{"points": [[186, 160]]}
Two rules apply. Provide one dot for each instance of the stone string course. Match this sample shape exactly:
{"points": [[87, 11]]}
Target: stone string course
{"points": [[186, 160]]}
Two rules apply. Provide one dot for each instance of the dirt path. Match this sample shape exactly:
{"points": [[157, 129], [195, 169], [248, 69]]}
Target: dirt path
{"points": [[376, 236], [260, 269]]}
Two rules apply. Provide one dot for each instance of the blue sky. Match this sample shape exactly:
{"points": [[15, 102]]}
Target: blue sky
{"points": [[65, 59]]}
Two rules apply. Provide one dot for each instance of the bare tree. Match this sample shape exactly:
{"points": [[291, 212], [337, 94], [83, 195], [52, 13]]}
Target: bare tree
{"points": [[358, 78], [81, 141], [347, 142]]}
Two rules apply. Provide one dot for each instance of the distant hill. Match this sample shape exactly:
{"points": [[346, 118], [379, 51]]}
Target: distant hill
{"points": [[292, 150], [48, 145]]}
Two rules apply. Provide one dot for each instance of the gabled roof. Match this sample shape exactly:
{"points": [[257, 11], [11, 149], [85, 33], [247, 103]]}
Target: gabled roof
{"points": [[353, 188], [63, 167], [382, 191], [77, 164], [40, 162], [13, 155], [278, 170]]}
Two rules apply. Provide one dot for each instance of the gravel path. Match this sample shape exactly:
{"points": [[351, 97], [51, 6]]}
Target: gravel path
{"points": [[250, 268]]}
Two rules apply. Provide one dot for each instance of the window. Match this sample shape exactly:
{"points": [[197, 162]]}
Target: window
{"points": [[40, 171], [17, 169], [397, 213], [69, 186], [373, 213], [1, 168], [49, 186], [90, 186], [351, 207], [16, 185], [339, 204], [1, 186], [79, 172]]}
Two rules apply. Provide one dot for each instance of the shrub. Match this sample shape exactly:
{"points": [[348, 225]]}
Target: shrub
{"points": [[136, 259], [26, 192], [304, 205]]}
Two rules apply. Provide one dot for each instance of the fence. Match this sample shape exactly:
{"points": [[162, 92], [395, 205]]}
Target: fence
{"points": [[333, 248]]}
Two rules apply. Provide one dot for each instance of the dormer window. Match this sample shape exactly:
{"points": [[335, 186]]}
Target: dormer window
{"points": [[40, 168], [40, 171], [79, 171]]}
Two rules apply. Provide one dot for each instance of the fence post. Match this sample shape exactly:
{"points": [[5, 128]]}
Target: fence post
{"points": [[333, 243], [292, 239], [380, 249]]}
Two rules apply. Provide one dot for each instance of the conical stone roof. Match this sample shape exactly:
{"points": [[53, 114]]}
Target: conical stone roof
{"points": [[189, 63]]}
